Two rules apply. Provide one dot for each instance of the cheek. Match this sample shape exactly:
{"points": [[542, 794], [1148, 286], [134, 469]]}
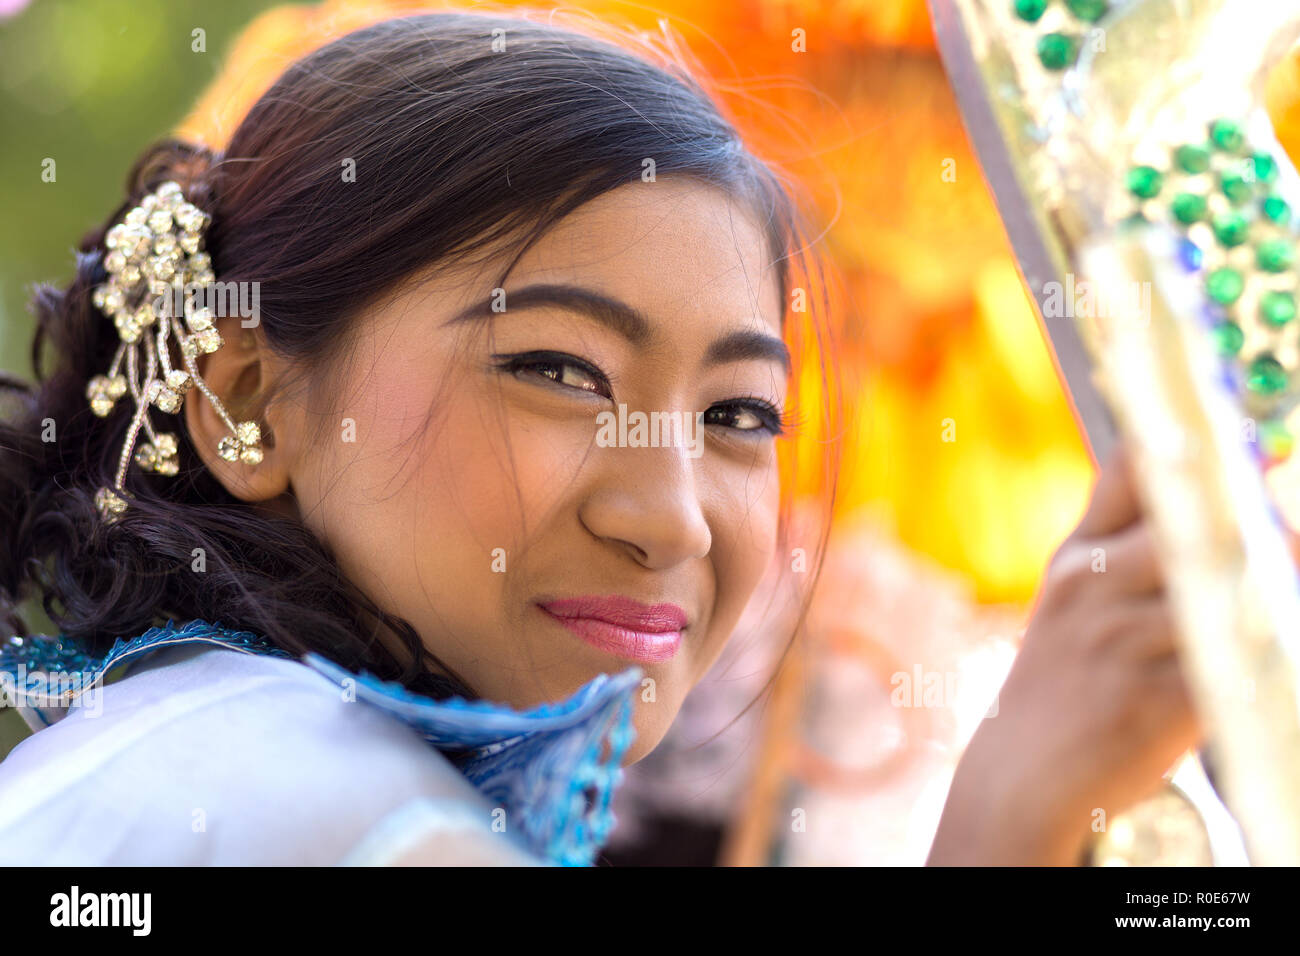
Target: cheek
{"points": [[408, 489], [356, 489], [487, 493], [743, 549], [488, 478], [752, 507]]}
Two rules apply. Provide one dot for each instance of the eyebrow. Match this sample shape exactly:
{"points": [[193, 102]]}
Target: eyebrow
{"points": [[629, 322]]}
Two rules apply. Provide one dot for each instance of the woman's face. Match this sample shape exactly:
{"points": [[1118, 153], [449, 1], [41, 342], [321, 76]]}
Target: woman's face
{"points": [[467, 483]]}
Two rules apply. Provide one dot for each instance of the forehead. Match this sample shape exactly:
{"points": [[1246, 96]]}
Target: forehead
{"points": [[675, 249]]}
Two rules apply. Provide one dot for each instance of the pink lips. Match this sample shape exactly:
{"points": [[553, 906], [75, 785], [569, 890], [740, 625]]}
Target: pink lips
{"points": [[642, 632]]}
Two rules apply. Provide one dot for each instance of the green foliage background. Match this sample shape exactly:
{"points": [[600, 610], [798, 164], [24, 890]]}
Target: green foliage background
{"points": [[89, 84]]}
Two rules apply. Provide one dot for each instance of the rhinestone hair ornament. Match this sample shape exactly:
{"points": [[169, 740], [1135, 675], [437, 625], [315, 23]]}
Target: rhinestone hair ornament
{"points": [[155, 259]]}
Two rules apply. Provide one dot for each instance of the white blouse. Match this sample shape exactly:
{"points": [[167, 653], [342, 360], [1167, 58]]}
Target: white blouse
{"points": [[204, 755]]}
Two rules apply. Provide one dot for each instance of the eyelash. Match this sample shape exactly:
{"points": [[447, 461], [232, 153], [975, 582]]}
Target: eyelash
{"points": [[774, 422]]}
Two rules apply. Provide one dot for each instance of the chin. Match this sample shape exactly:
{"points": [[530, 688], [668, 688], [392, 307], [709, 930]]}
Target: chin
{"points": [[651, 722]]}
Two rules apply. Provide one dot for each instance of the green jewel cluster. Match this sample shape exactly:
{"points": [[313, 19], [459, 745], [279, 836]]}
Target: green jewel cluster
{"points": [[1057, 49], [1220, 193]]}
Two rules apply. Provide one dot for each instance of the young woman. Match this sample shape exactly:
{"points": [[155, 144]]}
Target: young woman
{"points": [[420, 603]]}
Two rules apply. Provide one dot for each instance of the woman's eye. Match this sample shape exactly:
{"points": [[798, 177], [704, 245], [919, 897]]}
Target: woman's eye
{"points": [[559, 368], [747, 416], [750, 415]]}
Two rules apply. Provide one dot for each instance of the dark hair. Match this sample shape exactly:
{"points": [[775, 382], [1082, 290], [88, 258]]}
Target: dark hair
{"points": [[455, 147]]}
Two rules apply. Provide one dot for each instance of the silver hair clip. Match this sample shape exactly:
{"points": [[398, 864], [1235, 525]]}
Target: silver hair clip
{"points": [[155, 249]]}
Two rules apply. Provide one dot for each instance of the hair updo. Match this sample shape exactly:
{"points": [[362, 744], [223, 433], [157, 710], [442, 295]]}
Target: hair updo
{"points": [[456, 146]]}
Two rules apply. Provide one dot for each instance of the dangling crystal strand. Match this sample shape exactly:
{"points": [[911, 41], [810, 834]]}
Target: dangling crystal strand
{"points": [[179, 381], [165, 460], [248, 433], [146, 456], [199, 320], [109, 503], [209, 340], [250, 440], [158, 243], [167, 400], [244, 446], [166, 444]]}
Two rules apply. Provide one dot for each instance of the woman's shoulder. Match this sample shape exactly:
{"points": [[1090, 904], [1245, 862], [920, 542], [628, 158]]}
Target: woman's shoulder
{"points": [[211, 755]]}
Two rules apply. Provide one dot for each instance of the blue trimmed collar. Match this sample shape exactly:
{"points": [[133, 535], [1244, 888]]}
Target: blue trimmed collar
{"points": [[554, 768]]}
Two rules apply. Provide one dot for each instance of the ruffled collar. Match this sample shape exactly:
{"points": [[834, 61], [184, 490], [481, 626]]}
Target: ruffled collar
{"points": [[552, 768]]}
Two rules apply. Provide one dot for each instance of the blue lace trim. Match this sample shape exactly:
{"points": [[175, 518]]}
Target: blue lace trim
{"points": [[25, 662], [553, 769]]}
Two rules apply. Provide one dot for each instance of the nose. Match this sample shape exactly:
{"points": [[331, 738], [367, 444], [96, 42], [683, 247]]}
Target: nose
{"points": [[647, 503]]}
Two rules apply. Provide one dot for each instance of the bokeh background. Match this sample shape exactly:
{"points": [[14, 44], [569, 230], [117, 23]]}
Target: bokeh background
{"points": [[963, 468]]}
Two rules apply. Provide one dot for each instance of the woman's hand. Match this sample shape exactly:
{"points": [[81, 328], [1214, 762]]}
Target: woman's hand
{"points": [[1094, 710]]}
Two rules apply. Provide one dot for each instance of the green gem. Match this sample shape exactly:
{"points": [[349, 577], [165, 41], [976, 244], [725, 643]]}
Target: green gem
{"points": [[1276, 208], [1275, 255], [1188, 207], [1227, 135], [1193, 158], [1055, 50], [1266, 376], [1228, 338], [1224, 285], [1090, 10], [1235, 186], [1231, 228], [1276, 307], [1144, 181], [1265, 167], [1030, 10]]}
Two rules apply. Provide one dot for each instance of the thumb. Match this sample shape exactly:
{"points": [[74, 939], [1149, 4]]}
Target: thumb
{"points": [[1115, 502]]}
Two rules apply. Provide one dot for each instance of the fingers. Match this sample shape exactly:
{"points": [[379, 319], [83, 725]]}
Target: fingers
{"points": [[1122, 565], [1145, 630], [1181, 718], [1115, 503], [1167, 675], [1131, 560]]}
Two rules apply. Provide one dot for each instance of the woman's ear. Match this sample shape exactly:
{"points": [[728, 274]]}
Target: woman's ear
{"points": [[241, 374]]}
